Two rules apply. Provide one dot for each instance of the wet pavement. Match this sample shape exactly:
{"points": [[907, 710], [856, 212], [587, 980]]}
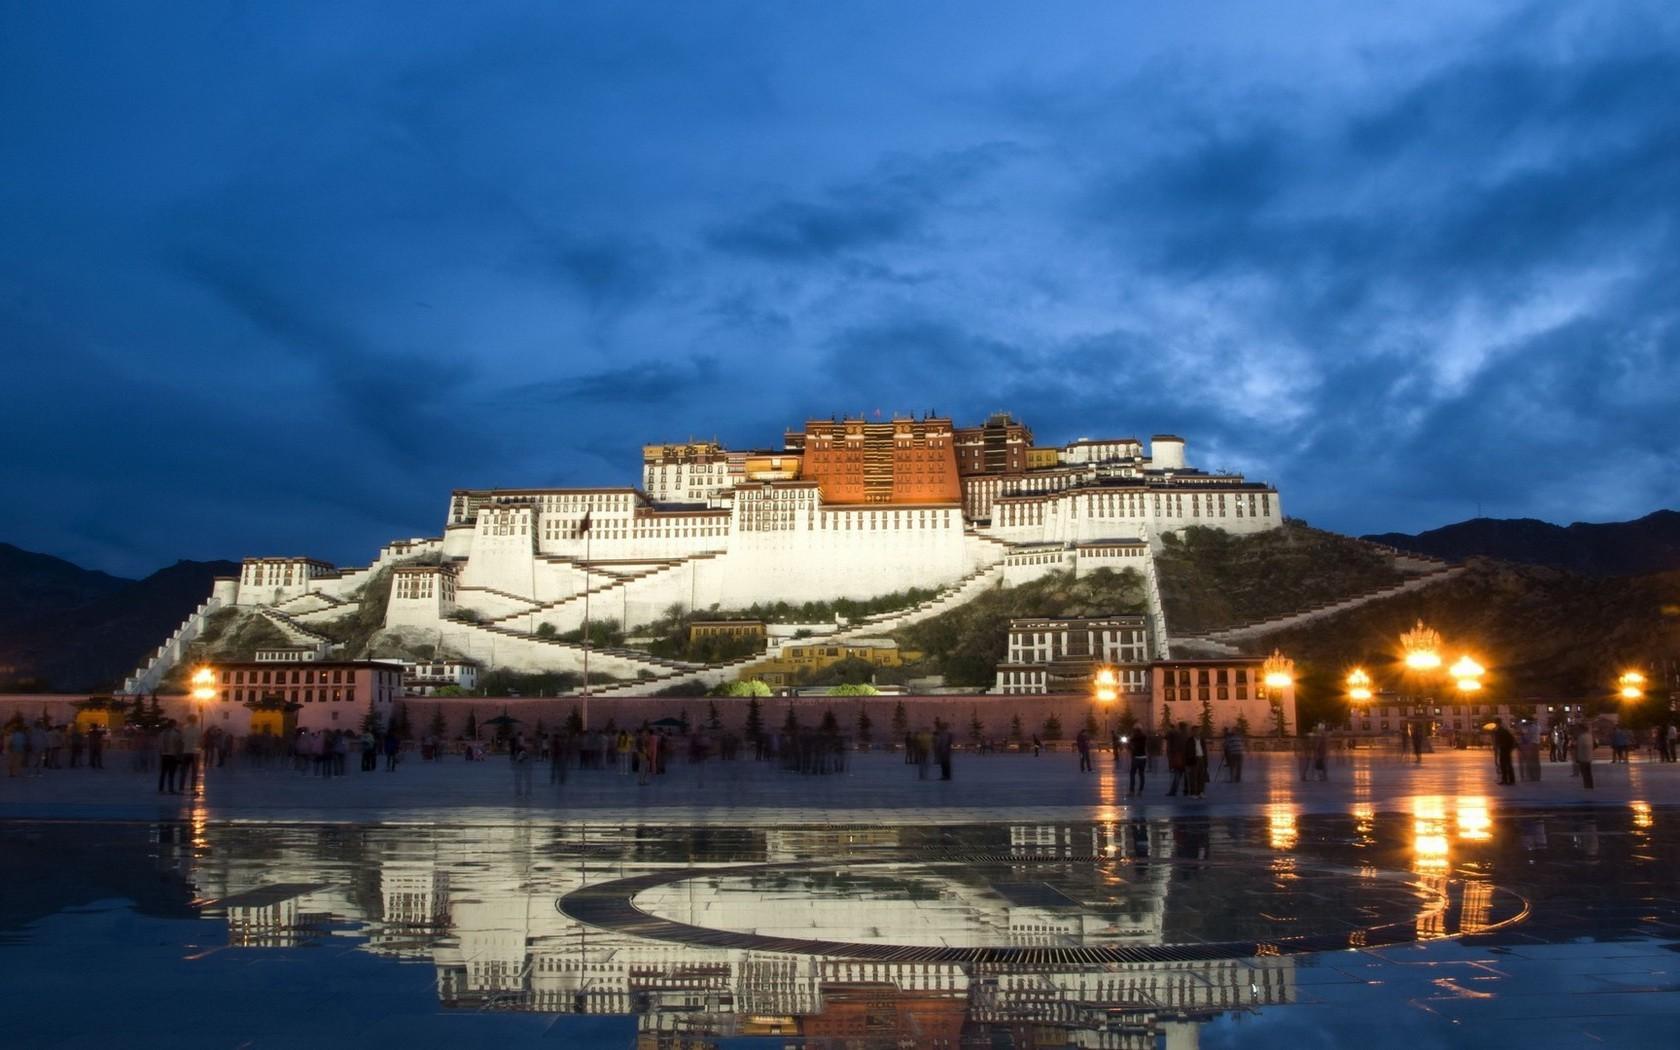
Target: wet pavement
{"points": [[1393, 906]]}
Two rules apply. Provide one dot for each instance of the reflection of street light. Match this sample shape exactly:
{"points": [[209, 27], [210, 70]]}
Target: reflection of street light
{"points": [[1359, 685], [1631, 685]]}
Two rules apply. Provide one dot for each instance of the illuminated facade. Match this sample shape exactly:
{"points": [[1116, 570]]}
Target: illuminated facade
{"points": [[848, 508]]}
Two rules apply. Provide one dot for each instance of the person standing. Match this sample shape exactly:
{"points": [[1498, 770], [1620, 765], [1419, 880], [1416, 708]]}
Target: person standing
{"points": [[370, 751], [1137, 745], [1175, 757], [942, 750], [1584, 753], [96, 747], [1417, 742], [78, 743], [1083, 743], [1235, 746], [392, 746], [169, 760], [17, 746], [186, 768], [1195, 763], [520, 757], [1503, 746]]}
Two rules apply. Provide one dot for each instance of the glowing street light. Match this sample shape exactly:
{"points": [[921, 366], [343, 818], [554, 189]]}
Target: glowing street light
{"points": [[1468, 674], [1358, 685], [204, 685], [1107, 685], [1631, 685], [1278, 672], [1422, 646]]}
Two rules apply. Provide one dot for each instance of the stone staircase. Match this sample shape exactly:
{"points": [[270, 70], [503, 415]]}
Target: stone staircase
{"points": [[1225, 639], [293, 630], [148, 676], [964, 590], [618, 581]]}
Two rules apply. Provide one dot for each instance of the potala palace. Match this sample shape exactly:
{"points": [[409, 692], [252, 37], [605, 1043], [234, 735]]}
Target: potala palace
{"points": [[845, 508]]}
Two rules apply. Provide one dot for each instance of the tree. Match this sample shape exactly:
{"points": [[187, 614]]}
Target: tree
{"points": [[1207, 717], [830, 726], [1015, 727], [714, 721], [1242, 725], [471, 732], [438, 726], [791, 725], [1126, 721], [755, 719], [854, 689], [976, 728], [1052, 728], [574, 722], [399, 721], [370, 720], [900, 720], [1280, 724], [546, 630], [1166, 719], [1090, 721], [864, 726]]}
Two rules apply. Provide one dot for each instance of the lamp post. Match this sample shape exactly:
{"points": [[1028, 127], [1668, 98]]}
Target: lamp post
{"points": [[1631, 685], [204, 691], [1277, 673], [1105, 686], [1421, 647]]}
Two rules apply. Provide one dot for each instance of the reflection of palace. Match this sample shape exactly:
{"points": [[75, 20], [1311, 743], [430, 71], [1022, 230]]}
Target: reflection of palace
{"points": [[481, 904]]}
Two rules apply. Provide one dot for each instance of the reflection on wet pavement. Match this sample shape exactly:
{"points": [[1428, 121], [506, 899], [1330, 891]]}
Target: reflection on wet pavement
{"points": [[1450, 918]]}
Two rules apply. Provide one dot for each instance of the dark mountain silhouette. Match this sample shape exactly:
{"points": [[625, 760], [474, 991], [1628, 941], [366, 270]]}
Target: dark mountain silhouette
{"points": [[1618, 548], [32, 584], [93, 645]]}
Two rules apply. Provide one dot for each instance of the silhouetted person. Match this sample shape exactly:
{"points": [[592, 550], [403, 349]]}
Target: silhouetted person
{"points": [[1584, 753], [1137, 745], [1503, 746]]}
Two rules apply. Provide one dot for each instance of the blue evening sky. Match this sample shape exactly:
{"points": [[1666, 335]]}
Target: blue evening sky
{"points": [[274, 278]]}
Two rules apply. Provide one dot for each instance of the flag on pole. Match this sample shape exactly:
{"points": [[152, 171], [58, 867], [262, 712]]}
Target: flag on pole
{"points": [[583, 526]]}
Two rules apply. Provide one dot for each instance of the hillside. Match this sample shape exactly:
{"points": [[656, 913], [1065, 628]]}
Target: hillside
{"points": [[1620, 548], [1541, 632], [1211, 579], [33, 585], [93, 645], [967, 643]]}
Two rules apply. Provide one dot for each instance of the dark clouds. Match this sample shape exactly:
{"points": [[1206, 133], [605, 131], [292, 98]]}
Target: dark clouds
{"points": [[275, 283]]}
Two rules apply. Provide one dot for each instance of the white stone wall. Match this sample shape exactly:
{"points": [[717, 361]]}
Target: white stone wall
{"points": [[1084, 515]]}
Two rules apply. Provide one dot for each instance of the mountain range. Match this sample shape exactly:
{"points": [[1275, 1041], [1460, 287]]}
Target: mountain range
{"points": [[68, 629], [1617, 548]]}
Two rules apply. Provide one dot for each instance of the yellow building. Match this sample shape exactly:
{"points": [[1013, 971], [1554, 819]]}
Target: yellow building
{"points": [[1043, 458], [809, 657]]}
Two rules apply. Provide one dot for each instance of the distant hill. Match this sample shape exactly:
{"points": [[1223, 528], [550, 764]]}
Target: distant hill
{"points": [[1620, 548], [54, 641], [32, 584]]}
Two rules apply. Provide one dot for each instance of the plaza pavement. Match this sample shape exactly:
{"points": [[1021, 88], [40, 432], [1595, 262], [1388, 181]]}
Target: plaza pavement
{"points": [[878, 788]]}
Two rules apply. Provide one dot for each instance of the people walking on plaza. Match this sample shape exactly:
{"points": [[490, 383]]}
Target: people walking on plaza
{"points": [[1584, 753], [1195, 763], [1416, 730], [1137, 745], [392, 747], [1235, 746], [942, 751], [186, 767], [924, 752], [1038, 745], [1175, 757], [1504, 744], [96, 747], [169, 758], [1671, 733], [520, 757], [1528, 750], [1082, 742], [37, 749], [370, 751], [17, 749]]}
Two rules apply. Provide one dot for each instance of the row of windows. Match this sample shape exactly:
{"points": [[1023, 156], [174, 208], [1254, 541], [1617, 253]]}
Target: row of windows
{"points": [[1218, 676], [278, 677], [240, 696], [1218, 692]]}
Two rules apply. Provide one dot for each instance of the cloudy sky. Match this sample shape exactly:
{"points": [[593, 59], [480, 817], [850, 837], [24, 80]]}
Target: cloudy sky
{"points": [[275, 278]]}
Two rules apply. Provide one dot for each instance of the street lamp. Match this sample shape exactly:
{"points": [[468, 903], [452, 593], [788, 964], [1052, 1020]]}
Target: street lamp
{"points": [[1278, 672], [1468, 674], [1359, 685], [1105, 685], [204, 691], [1631, 685], [1422, 646]]}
